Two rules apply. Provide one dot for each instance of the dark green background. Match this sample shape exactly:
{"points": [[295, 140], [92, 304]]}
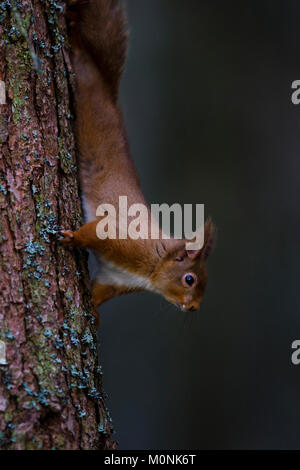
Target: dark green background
{"points": [[206, 97]]}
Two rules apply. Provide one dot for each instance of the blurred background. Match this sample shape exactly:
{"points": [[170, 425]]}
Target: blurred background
{"points": [[207, 103]]}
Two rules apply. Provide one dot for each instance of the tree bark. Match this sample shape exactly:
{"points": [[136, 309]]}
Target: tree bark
{"points": [[50, 392]]}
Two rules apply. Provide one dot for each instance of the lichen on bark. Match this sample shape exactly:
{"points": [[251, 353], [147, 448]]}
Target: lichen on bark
{"points": [[50, 389]]}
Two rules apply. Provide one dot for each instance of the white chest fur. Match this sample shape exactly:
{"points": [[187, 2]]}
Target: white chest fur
{"points": [[110, 274]]}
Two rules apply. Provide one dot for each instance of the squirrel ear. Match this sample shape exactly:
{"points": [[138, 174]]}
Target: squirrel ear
{"points": [[209, 239], [192, 254]]}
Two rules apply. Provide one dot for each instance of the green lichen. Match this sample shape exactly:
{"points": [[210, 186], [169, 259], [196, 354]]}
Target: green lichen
{"points": [[18, 52], [3, 129]]}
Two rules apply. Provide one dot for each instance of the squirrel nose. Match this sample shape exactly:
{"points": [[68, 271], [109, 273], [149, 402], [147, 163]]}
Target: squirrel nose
{"points": [[192, 309], [193, 306]]}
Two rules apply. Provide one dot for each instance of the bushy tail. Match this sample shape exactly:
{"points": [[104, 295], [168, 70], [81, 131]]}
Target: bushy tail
{"points": [[99, 26]]}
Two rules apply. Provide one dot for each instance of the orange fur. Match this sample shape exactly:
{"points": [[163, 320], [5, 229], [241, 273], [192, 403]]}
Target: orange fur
{"points": [[99, 40]]}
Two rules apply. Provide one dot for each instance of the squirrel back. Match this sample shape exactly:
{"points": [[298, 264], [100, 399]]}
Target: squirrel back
{"points": [[99, 28], [99, 43], [165, 266]]}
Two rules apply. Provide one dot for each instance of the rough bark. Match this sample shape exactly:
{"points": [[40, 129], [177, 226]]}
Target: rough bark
{"points": [[50, 389]]}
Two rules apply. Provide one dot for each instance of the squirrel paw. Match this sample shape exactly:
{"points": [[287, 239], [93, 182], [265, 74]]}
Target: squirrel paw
{"points": [[68, 238], [97, 318]]}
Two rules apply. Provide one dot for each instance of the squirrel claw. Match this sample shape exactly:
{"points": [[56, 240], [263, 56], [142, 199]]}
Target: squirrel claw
{"points": [[68, 237]]}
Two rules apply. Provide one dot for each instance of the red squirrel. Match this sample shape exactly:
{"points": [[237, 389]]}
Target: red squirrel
{"points": [[99, 42]]}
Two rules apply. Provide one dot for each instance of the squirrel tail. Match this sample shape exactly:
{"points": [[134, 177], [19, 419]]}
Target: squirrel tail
{"points": [[99, 27]]}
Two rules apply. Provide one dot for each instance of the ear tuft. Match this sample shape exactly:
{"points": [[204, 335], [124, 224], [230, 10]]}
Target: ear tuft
{"points": [[208, 245], [209, 239]]}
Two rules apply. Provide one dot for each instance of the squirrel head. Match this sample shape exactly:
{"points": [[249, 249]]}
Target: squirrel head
{"points": [[181, 275]]}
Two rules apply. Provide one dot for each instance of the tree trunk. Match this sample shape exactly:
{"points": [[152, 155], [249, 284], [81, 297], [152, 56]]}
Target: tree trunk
{"points": [[50, 390]]}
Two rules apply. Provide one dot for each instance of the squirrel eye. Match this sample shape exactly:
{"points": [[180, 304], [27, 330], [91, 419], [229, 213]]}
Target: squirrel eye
{"points": [[189, 279], [179, 258]]}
